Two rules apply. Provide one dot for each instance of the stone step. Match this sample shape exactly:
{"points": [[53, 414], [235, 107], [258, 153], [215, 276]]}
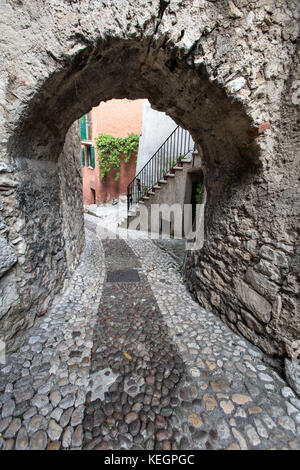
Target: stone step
{"points": [[157, 186]]}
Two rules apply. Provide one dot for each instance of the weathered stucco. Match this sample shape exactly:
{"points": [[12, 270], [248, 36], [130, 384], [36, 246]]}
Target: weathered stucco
{"points": [[157, 127], [227, 71]]}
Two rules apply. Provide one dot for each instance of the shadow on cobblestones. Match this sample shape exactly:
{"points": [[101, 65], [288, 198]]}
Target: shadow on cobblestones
{"points": [[132, 343]]}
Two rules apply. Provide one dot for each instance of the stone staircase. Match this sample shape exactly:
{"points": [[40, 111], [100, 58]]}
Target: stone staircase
{"points": [[159, 192], [158, 178]]}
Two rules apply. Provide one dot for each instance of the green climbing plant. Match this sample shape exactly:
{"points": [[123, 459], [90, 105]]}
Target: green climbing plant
{"points": [[198, 192], [145, 190], [110, 149]]}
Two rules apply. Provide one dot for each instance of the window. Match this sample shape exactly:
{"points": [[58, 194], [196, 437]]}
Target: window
{"points": [[86, 127], [88, 155]]}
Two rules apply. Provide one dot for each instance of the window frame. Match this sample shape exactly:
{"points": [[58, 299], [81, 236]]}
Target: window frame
{"points": [[88, 150]]}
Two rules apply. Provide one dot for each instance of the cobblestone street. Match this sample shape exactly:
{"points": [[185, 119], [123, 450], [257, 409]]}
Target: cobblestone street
{"points": [[126, 359]]}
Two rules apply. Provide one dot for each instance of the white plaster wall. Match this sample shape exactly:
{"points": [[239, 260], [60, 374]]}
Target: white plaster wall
{"points": [[156, 127]]}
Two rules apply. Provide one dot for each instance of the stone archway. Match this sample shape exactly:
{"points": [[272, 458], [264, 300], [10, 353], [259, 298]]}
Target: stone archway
{"points": [[195, 60]]}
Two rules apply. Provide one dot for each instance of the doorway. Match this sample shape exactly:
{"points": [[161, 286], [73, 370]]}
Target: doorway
{"points": [[93, 196]]}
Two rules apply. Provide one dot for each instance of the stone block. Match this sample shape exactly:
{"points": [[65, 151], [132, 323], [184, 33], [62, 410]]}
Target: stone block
{"points": [[261, 284], [7, 256], [231, 315], [257, 304], [269, 269], [292, 372], [251, 321], [247, 333], [6, 181], [277, 257], [234, 12]]}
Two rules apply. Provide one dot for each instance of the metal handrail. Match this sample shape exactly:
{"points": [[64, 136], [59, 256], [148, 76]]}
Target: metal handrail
{"points": [[169, 154], [155, 152]]}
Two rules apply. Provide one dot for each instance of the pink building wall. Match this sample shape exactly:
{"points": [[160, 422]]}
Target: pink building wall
{"points": [[118, 118]]}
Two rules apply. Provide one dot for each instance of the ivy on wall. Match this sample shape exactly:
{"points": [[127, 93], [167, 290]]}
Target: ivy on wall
{"points": [[110, 149]]}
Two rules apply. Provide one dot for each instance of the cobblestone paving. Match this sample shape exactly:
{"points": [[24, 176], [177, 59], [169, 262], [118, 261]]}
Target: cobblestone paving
{"points": [[43, 386], [134, 365], [237, 401]]}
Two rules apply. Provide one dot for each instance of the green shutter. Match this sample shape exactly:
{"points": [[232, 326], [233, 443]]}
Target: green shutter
{"points": [[89, 126], [82, 156], [93, 157], [83, 128]]}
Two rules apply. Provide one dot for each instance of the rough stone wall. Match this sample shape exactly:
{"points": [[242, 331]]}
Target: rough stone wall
{"points": [[248, 269], [69, 166], [225, 70], [42, 235]]}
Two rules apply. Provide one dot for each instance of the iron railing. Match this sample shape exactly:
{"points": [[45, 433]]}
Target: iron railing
{"points": [[169, 155]]}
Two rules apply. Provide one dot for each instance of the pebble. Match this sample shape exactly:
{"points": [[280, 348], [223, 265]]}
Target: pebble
{"points": [[77, 437], [261, 428], [68, 401], [210, 402], [240, 399], [65, 417], [53, 445], [56, 414], [77, 416], [227, 406], [4, 423], [67, 437], [38, 441], [36, 423], [287, 423], [287, 392], [240, 438], [8, 408], [22, 439], [195, 420], [40, 401], [130, 417], [252, 435], [55, 398], [54, 430], [13, 428], [223, 430]]}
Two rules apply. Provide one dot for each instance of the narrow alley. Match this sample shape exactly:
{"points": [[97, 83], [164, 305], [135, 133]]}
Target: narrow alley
{"points": [[126, 359]]}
